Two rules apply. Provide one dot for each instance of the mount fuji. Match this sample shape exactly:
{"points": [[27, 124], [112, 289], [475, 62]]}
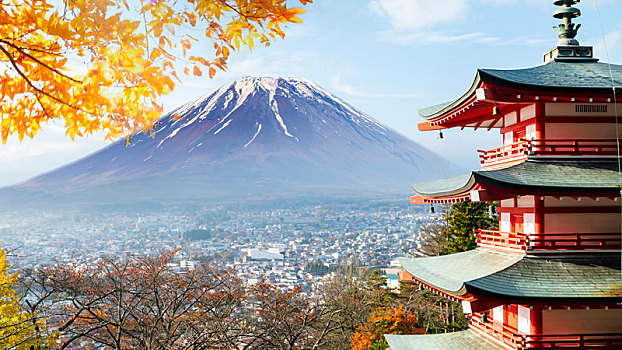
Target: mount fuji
{"points": [[256, 137]]}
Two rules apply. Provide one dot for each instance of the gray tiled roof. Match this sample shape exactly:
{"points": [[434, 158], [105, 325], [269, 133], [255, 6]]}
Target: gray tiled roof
{"points": [[567, 277], [521, 277], [449, 272], [555, 76], [433, 109], [573, 176], [445, 187], [463, 340], [561, 75], [557, 174]]}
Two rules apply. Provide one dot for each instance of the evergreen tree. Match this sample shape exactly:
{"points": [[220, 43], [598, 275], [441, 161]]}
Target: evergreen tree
{"points": [[464, 217], [377, 292]]}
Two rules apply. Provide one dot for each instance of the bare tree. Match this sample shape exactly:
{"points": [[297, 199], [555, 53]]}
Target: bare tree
{"points": [[140, 303], [345, 299], [137, 303], [433, 235]]}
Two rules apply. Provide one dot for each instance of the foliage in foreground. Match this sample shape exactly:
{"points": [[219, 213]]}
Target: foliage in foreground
{"points": [[141, 303], [366, 309], [385, 320], [19, 329], [463, 219], [104, 64]]}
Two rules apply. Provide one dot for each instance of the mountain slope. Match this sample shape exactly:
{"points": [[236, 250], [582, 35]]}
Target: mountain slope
{"points": [[256, 136]]}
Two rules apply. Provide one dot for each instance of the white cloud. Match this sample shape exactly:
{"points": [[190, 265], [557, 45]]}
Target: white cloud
{"points": [[415, 21], [337, 84], [433, 37], [611, 46], [415, 14]]}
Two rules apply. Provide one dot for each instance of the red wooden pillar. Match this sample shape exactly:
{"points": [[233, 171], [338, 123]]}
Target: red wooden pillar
{"points": [[539, 220], [539, 201], [536, 320], [506, 309], [540, 114]]}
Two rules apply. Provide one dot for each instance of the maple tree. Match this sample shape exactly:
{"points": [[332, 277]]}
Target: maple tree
{"points": [[19, 329], [385, 320], [104, 64]]}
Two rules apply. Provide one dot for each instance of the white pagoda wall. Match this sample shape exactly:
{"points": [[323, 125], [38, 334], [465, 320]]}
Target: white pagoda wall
{"points": [[581, 222], [509, 119], [580, 129], [581, 321]]}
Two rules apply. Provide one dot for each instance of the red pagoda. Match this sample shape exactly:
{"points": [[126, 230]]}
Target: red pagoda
{"points": [[550, 277]]}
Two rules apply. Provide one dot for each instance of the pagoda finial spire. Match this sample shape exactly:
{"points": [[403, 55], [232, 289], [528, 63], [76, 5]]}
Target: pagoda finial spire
{"points": [[567, 31], [568, 48]]}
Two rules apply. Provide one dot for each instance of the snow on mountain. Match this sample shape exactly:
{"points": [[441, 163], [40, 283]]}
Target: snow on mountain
{"points": [[253, 136]]}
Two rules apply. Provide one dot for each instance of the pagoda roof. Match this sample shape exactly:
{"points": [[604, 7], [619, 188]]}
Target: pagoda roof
{"points": [[541, 278], [531, 174], [558, 75], [554, 76], [467, 339], [448, 273], [500, 275]]}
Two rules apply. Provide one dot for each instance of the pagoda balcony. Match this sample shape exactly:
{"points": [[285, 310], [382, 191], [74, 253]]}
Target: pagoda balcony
{"points": [[515, 339], [549, 148], [505, 154], [516, 241], [500, 332], [549, 241]]}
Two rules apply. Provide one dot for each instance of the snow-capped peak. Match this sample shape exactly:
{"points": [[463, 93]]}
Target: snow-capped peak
{"points": [[279, 94]]}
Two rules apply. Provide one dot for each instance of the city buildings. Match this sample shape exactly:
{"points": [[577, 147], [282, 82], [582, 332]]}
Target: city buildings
{"points": [[313, 240]]}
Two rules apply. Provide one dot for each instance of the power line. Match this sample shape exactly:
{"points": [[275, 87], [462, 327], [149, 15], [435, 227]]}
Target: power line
{"points": [[615, 109]]}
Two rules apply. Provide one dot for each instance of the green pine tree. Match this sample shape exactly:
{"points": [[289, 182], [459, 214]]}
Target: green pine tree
{"points": [[378, 294], [463, 218]]}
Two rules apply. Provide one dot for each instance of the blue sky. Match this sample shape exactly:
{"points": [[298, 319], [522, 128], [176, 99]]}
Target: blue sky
{"points": [[388, 58]]}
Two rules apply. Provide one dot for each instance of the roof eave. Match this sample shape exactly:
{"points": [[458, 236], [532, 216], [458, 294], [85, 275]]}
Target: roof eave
{"points": [[456, 103], [468, 186]]}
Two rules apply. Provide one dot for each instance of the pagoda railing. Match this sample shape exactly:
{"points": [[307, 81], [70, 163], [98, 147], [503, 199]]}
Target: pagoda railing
{"points": [[575, 241], [573, 341], [559, 148], [514, 151], [497, 238], [549, 241], [568, 147], [503, 333], [513, 338]]}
